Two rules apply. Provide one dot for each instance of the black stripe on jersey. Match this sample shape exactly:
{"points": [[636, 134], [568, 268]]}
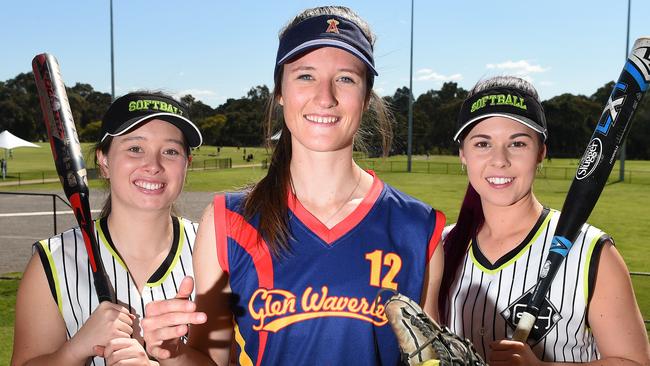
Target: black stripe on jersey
{"points": [[480, 258], [115, 281], [482, 330], [452, 303], [576, 288], [164, 267], [162, 287], [575, 336], [46, 267], [174, 283], [103, 223], [494, 315], [474, 304], [65, 274], [128, 292], [560, 308], [539, 270], [514, 273], [144, 345], [190, 243], [76, 272], [90, 286], [462, 309]]}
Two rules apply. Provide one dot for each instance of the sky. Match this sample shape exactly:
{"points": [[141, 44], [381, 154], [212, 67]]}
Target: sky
{"points": [[216, 49]]}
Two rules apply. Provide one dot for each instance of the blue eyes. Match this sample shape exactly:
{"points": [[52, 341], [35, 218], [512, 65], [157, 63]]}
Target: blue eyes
{"points": [[344, 79]]}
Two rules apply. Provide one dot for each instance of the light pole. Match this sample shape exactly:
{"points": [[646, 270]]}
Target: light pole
{"points": [[409, 148], [627, 50], [112, 58]]}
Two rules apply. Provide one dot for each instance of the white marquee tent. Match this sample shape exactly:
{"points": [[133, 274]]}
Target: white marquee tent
{"points": [[10, 141]]}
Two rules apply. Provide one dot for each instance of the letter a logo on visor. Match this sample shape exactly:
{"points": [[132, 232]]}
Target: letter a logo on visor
{"points": [[332, 26]]}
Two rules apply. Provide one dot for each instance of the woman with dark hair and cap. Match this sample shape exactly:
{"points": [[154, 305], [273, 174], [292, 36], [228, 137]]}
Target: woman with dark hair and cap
{"points": [[496, 250], [290, 269], [146, 249]]}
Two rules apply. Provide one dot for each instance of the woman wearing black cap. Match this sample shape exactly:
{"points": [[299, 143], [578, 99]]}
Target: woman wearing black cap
{"points": [[496, 250], [298, 260], [143, 154]]}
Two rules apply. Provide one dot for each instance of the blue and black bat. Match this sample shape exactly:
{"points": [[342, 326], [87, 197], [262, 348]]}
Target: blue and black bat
{"points": [[594, 169]]}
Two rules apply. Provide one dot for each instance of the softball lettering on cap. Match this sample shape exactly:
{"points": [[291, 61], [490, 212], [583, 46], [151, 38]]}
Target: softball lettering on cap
{"points": [[501, 102], [130, 110]]}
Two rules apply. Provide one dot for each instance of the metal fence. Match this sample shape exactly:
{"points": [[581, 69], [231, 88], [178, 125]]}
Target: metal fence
{"points": [[21, 178], [428, 167], [54, 198], [207, 164]]}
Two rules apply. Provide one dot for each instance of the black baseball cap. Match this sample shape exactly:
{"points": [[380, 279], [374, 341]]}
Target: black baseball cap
{"points": [[324, 31], [130, 110], [505, 102]]}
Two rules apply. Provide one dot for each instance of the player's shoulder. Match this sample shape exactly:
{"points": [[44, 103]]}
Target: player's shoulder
{"points": [[55, 242], [187, 223], [446, 230], [588, 232], [404, 200], [232, 201]]}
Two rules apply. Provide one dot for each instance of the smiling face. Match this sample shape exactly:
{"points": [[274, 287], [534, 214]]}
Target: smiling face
{"points": [[146, 167], [501, 156], [324, 95]]}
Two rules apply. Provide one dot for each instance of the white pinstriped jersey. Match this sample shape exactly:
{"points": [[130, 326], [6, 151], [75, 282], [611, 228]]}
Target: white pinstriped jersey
{"points": [[487, 298], [68, 272]]}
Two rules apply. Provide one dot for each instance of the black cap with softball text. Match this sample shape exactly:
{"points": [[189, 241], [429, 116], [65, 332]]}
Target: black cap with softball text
{"points": [[130, 110], [505, 102]]}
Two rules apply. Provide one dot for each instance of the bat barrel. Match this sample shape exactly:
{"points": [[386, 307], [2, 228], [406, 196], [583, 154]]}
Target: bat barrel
{"points": [[64, 142]]}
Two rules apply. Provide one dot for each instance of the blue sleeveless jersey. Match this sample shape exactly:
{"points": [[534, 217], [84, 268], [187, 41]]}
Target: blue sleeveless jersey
{"points": [[315, 305]]}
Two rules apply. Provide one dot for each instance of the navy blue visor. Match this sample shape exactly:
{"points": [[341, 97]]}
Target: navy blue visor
{"points": [[324, 31]]}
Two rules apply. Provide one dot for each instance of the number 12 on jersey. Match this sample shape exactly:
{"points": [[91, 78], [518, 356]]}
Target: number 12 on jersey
{"points": [[378, 259]]}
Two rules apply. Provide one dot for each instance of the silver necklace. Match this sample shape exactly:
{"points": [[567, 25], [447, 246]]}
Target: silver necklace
{"points": [[344, 202]]}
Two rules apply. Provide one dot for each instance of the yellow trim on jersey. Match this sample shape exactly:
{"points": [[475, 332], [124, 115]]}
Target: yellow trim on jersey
{"points": [[590, 252], [54, 273], [177, 255], [244, 359], [100, 233], [541, 228]]}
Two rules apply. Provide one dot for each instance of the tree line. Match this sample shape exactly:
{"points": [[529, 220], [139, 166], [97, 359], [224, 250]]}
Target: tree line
{"points": [[240, 122]]}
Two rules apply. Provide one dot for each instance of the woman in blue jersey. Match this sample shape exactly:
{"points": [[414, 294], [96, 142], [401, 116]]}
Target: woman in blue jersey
{"points": [[297, 261], [146, 249], [496, 250]]}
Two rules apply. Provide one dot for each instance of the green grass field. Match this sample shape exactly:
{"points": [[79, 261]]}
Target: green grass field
{"points": [[622, 209]]}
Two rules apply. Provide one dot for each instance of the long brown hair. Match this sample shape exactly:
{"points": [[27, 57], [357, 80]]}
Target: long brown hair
{"points": [[269, 196], [470, 217]]}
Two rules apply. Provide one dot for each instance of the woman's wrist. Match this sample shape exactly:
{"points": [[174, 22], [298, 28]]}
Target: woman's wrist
{"points": [[72, 352]]}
